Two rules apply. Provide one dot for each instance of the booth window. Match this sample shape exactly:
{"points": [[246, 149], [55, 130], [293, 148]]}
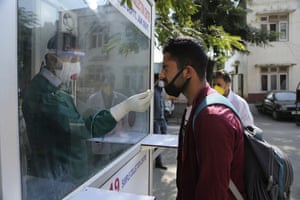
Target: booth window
{"points": [[111, 56]]}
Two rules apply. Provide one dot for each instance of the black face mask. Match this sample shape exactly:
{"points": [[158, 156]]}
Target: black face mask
{"points": [[172, 90]]}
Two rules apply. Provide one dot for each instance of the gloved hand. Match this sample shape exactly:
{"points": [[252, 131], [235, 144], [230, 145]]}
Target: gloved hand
{"points": [[138, 103]]}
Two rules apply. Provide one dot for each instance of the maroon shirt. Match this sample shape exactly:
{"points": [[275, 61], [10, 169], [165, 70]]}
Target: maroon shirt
{"points": [[211, 155]]}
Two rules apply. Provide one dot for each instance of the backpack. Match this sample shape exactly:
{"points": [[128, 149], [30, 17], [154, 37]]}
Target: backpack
{"points": [[268, 171]]}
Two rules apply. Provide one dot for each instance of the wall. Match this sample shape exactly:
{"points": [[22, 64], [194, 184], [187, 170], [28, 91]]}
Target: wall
{"points": [[277, 53]]}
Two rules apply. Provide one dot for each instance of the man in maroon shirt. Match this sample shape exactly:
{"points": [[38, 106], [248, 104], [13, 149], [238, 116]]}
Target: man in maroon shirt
{"points": [[213, 153]]}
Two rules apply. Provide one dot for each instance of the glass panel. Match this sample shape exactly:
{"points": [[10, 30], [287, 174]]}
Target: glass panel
{"points": [[273, 82], [283, 28], [283, 17], [270, 96], [57, 42], [283, 81], [285, 96], [264, 27], [273, 18], [264, 18], [264, 69], [283, 69], [264, 82], [273, 27]]}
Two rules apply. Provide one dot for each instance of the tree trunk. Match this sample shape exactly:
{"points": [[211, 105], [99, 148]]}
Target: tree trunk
{"points": [[209, 71]]}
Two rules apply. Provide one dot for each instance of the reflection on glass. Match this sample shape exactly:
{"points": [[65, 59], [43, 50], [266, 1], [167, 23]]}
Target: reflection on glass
{"points": [[108, 59]]}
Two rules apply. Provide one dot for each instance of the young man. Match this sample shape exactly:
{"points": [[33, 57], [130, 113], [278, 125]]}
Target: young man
{"points": [[213, 153], [222, 83]]}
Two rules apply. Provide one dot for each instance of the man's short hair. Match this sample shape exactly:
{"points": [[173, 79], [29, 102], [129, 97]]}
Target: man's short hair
{"points": [[222, 74], [188, 51]]}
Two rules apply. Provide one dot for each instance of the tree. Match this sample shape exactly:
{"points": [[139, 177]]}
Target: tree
{"points": [[228, 17], [219, 24], [202, 20], [26, 21]]}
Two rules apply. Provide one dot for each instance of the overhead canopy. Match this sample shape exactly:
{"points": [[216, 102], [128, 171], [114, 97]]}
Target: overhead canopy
{"points": [[275, 65], [268, 12]]}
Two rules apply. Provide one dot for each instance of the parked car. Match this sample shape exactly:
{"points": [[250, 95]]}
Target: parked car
{"points": [[281, 104]]}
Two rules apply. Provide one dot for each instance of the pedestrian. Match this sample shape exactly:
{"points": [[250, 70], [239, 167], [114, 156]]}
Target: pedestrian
{"points": [[107, 97], [160, 124], [222, 83], [213, 152]]}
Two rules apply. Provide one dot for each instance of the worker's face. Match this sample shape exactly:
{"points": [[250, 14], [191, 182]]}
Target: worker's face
{"points": [[221, 86], [173, 79]]}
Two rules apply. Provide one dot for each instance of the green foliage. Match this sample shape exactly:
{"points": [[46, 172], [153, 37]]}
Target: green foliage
{"points": [[135, 41], [221, 44], [220, 25], [111, 44], [128, 3], [173, 18], [26, 21], [260, 37]]}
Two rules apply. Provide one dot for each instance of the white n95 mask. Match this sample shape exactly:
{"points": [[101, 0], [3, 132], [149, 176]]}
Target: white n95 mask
{"points": [[70, 71], [161, 84]]}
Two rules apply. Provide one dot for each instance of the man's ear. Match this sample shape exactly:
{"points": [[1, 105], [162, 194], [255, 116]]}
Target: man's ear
{"points": [[51, 59], [51, 62], [188, 72]]}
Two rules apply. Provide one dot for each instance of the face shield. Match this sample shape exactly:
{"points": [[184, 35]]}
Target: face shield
{"points": [[69, 68], [63, 59], [66, 55]]}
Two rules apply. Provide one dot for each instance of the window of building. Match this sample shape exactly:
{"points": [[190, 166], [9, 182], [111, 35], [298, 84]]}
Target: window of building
{"points": [[98, 38], [282, 79], [277, 24], [283, 29], [274, 78], [264, 82]]}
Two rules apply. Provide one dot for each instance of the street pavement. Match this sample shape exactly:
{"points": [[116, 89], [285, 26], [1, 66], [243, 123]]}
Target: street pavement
{"points": [[285, 134]]}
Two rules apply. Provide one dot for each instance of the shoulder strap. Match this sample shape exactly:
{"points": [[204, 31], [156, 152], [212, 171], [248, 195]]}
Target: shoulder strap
{"points": [[213, 99]]}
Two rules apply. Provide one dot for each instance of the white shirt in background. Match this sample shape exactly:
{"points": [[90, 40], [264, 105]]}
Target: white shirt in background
{"points": [[242, 108]]}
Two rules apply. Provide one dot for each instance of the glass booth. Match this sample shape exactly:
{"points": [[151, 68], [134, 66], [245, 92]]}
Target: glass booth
{"points": [[50, 130]]}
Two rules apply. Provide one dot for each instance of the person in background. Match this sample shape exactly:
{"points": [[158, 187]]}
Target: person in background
{"points": [[222, 83], [106, 97], [160, 124], [212, 153], [57, 133]]}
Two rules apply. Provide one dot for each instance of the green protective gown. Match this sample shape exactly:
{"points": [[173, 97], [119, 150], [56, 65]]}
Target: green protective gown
{"points": [[57, 132]]}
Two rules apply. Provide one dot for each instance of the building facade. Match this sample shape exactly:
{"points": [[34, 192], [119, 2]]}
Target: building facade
{"points": [[275, 66]]}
